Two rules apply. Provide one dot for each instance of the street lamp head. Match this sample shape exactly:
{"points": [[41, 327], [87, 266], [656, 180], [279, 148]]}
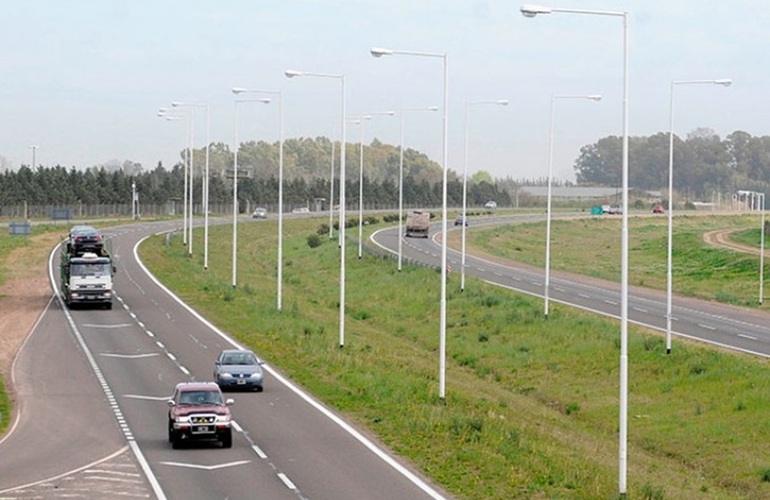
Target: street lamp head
{"points": [[502, 102], [379, 52], [432, 108], [239, 90], [176, 104], [533, 10], [726, 82], [265, 100], [291, 73], [594, 97]]}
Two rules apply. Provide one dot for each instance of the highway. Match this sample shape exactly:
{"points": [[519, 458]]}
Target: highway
{"points": [[736, 328], [92, 389]]}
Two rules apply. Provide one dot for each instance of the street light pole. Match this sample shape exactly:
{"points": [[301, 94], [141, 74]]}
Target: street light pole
{"points": [[365, 116], [401, 180], [33, 148], [532, 11], [378, 52], [204, 186], [468, 104], [669, 254], [186, 114], [546, 288], [279, 94], [294, 73]]}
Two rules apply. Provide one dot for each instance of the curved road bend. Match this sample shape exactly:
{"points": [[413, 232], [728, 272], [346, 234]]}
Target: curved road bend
{"points": [[736, 328], [92, 390]]}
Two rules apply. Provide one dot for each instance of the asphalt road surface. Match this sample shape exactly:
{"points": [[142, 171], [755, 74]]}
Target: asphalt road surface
{"points": [[93, 386], [736, 328]]}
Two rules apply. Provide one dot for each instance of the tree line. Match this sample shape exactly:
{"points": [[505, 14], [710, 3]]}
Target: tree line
{"points": [[307, 167], [703, 163]]}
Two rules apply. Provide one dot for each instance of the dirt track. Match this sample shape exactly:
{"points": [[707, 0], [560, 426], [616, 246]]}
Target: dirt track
{"points": [[721, 238]]}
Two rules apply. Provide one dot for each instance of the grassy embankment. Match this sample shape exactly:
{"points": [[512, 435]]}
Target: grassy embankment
{"points": [[531, 406], [591, 247]]}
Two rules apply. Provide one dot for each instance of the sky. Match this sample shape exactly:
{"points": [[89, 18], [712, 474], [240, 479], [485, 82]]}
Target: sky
{"points": [[82, 81]]}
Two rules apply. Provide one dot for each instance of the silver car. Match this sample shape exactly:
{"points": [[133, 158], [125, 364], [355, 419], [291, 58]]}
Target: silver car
{"points": [[238, 369]]}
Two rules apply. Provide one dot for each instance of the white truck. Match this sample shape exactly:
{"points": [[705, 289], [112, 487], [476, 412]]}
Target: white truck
{"points": [[86, 278]]}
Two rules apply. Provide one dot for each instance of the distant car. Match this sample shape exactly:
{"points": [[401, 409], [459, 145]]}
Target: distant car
{"points": [[658, 209], [612, 209], [238, 369], [490, 205], [300, 210], [85, 239], [460, 220], [259, 213], [199, 411]]}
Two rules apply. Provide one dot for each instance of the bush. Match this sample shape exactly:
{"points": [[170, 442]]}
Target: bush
{"points": [[314, 241]]}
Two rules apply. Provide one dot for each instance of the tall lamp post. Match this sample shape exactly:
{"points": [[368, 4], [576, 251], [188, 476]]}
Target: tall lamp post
{"points": [[169, 117], [401, 180], [188, 172], [277, 93], [365, 116], [264, 100], [33, 148], [204, 187], [292, 74], [546, 288], [669, 275], [532, 11], [379, 52], [468, 104]]}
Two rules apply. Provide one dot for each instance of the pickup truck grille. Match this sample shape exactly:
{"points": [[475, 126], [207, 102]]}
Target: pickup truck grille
{"points": [[203, 419]]}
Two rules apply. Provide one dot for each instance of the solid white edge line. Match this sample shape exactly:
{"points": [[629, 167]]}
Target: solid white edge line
{"points": [[322, 409]]}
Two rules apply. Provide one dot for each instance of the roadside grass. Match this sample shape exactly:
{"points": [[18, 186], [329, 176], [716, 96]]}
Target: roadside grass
{"points": [[531, 404], [591, 247], [749, 237], [5, 407]]}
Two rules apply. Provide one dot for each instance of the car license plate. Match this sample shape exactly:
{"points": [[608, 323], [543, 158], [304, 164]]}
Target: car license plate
{"points": [[201, 429]]}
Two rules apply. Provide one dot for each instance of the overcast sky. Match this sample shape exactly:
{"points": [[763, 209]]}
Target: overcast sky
{"points": [[83, 80]]}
